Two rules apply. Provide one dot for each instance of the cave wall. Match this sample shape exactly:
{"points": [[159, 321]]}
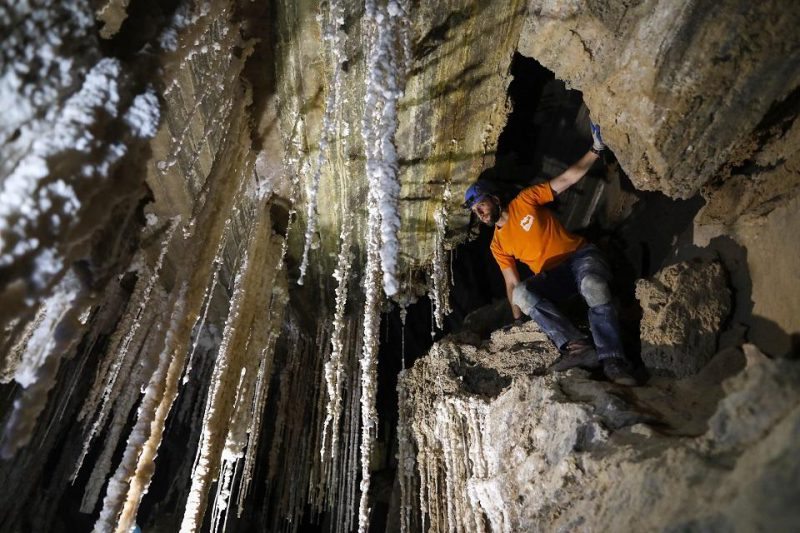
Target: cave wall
{"points": [[750, 218], [150, 151]]}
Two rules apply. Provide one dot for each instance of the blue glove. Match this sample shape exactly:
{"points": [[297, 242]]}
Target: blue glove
{"points": [[597, 140]]}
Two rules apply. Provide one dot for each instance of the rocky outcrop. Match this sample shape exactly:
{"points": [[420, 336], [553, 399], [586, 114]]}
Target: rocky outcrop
{"points": [[674, 85], [498, 447], [751, 218], [683, 308]]}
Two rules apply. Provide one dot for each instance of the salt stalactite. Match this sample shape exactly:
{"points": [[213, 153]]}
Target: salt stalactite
{"points": [[54, 338], [143, 361], [209, 295], [123, 484], [291, 332], [233, 450], [385, 81], [258, 405], [369, 353], [251, 392], [335, 367], [202, 472], [447, 430], [293, 458], [384, 88], [278, 302], [336, 482], [405, 458], [441, 284], [225, 419], [335, 38], [107, 387], [351, 479]]}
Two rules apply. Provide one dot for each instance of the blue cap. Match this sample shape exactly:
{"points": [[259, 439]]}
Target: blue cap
{"points": [[477, 192]]}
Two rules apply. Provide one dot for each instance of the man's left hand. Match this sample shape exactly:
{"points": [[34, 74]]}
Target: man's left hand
{"points": [[515, 324]]}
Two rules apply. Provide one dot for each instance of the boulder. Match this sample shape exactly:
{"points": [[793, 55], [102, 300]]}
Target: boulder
{"points": [[683, 308]]}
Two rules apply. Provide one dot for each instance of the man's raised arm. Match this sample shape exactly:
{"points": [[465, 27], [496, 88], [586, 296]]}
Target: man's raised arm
{"points": [[573, 174]]}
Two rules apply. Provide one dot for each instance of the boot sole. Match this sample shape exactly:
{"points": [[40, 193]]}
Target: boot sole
{"points": [[556, 368], [626, 381]]}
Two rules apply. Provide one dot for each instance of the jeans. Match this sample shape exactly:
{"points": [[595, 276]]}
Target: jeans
{"points": [[587, 272]]}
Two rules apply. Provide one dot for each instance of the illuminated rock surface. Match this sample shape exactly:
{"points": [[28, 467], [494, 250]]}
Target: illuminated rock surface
{"points": [[166, 167]]}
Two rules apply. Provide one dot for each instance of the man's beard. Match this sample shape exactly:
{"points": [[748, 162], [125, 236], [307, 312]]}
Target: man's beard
{"points": [[494, 215]]}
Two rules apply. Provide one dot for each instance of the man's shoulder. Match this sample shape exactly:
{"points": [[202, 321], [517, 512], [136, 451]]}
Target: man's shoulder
{"points": [[496, 239], [536, 194]]}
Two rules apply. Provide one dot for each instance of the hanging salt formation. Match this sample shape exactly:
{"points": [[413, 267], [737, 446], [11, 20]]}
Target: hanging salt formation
{"points": [[335, 38], [335, 367], [119, 370], [129, 482], [440, 294], [369, 358], [386, 65], [387, 44], [238, 369], [56, 333], [405, 457]]}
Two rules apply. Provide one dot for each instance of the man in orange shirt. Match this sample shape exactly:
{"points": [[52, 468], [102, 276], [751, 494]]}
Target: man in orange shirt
{"points": [[527, 231]]}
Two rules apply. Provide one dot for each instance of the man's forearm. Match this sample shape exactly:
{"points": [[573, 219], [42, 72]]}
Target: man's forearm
{"points": [[573, 174], [516, 311]]}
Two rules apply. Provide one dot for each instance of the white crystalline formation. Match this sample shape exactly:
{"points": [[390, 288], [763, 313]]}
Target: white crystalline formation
{"points": [[386, 70], [335, 367], [335, 39], [38, 207], [441, 284], [54, 337], [385, 78]]}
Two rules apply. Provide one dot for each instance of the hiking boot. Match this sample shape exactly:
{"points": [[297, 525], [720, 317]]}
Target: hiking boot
{"points": [[617, 370], [576, 353]]}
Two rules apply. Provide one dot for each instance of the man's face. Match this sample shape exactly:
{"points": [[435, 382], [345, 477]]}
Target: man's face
{"points": [[487, 211]]}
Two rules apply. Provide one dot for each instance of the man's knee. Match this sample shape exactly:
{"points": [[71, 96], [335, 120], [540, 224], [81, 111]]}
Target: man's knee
{"points": [[595, 290], [524, 298]]}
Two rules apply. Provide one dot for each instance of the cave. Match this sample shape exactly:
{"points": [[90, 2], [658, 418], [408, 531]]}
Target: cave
{"points": [[240, 289]]}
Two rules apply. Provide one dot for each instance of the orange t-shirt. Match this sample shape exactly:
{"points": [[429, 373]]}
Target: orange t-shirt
{"points": [[532, 233]]}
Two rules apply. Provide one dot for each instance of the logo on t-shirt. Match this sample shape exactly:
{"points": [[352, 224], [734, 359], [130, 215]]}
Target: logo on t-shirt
{"points": [[526, 222]]}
